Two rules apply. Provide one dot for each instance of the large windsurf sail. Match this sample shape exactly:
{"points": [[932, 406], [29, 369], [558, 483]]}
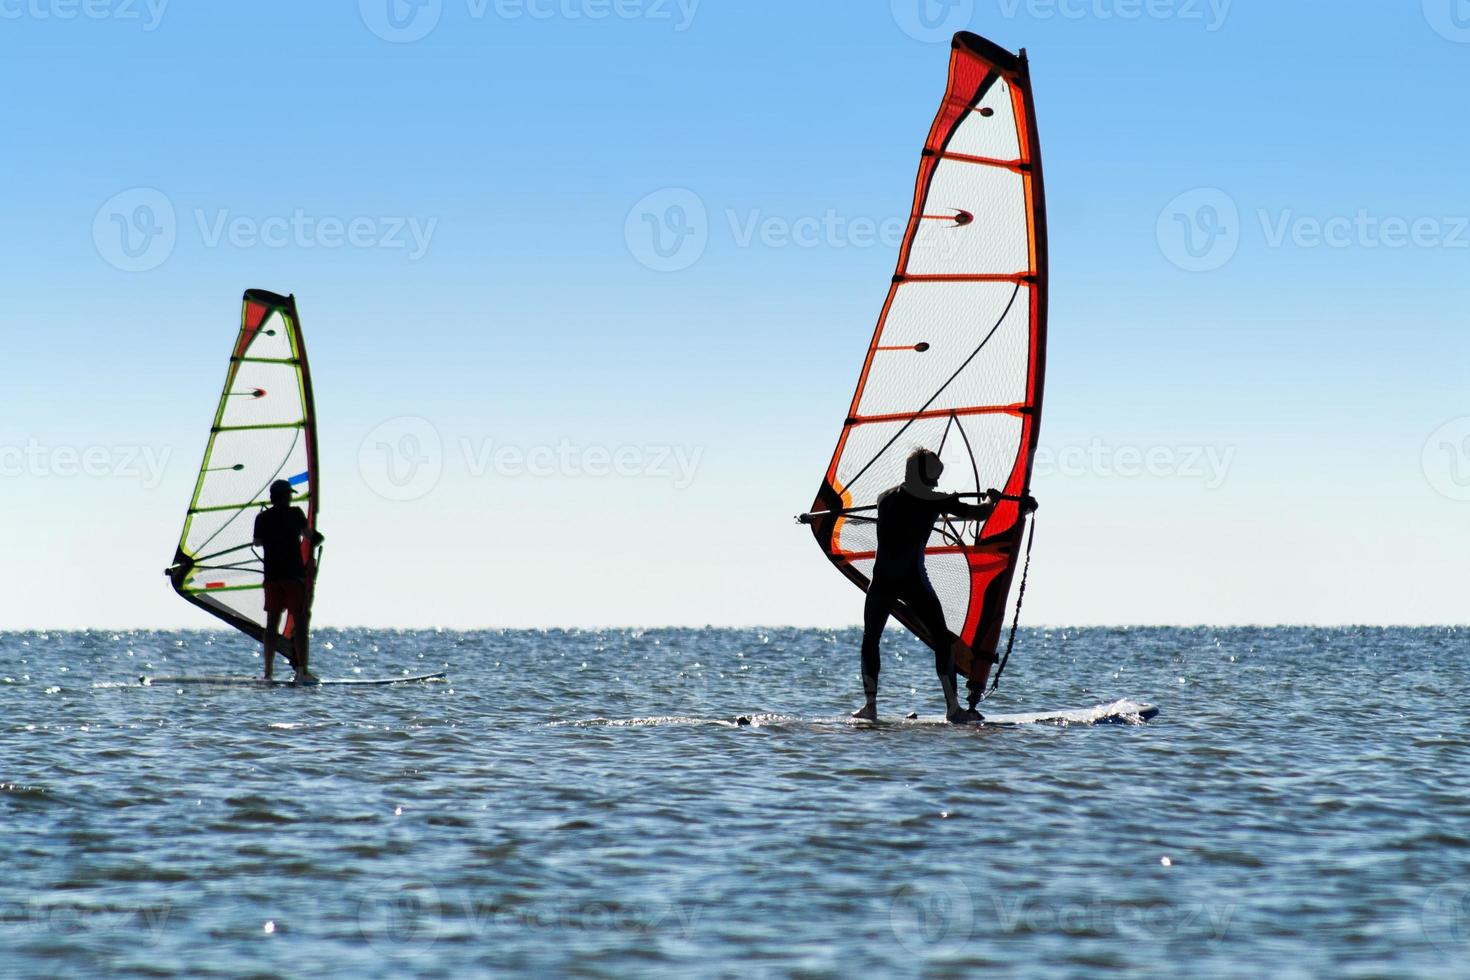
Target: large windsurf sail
{"points": [[264, 430], [956, 363]]}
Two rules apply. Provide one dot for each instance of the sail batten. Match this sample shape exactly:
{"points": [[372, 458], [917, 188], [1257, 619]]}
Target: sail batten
{"points": [[264, 430], [967, 307]]}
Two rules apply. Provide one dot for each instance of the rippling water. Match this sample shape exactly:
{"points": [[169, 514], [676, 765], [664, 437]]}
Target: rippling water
{"points": [[1300, 806]]}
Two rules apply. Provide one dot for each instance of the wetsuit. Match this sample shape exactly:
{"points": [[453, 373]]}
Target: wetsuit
{"points": [[905, 523]]}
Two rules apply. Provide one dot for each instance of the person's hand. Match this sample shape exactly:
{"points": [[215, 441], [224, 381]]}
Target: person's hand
{"points": [[1030, 503], [317, 537], [992, 496]]}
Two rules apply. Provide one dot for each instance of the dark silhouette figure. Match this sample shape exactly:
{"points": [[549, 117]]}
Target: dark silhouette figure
{"points": [[907, 515], [279, 531]]}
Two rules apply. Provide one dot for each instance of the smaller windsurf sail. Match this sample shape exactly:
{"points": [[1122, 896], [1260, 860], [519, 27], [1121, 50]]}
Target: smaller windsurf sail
{"points": [[264, 430]]}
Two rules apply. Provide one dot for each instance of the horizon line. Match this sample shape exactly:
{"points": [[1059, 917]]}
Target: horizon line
{"points": [[723, 628]]}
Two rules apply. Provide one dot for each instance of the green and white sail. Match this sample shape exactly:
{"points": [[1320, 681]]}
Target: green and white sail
{"points": [[264, 430]]}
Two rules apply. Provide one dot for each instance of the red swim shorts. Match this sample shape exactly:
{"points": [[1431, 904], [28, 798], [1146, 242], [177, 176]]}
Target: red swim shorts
{"points": [[285, 597]]}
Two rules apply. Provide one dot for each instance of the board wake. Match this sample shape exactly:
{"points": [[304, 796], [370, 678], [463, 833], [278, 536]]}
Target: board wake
{"points": [[240, 680], [1121, 712]]}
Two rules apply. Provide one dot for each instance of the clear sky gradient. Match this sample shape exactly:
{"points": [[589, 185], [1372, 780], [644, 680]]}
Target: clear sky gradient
{"points": [[535, 411]]}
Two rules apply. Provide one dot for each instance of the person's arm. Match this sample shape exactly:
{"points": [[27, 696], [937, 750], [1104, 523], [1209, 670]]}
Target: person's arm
{"points": [[982, 510], [259, 542], [970, 512], [307, 534]]}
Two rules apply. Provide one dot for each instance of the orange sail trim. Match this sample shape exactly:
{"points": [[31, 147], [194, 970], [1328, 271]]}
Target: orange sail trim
{"points": [[963, 334], [943, 413]]}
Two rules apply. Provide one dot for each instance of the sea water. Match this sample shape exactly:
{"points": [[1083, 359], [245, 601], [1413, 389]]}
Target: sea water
{"points": [[582, 803]]}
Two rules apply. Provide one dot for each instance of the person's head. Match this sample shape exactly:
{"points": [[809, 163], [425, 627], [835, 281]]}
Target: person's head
{"points": [[281, 493], [924, 468]]}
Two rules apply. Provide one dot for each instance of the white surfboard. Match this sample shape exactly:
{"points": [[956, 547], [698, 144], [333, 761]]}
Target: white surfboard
{"points": [[240, 680]]}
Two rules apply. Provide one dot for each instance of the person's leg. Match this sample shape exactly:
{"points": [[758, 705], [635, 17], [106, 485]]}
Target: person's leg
{"points": [[876, 608], [301, 634], [919, 596], [272, 632], [301, 639]]}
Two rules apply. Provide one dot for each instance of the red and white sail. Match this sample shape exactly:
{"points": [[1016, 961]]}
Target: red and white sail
{"points": [[957, 361]]}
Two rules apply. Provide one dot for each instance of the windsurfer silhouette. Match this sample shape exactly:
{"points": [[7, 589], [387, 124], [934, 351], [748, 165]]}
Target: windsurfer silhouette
{"points": [[906, 517], [279, 531]]}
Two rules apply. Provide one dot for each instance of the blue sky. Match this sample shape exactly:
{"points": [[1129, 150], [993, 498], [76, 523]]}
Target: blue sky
{"points": [[1265, 422]]}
